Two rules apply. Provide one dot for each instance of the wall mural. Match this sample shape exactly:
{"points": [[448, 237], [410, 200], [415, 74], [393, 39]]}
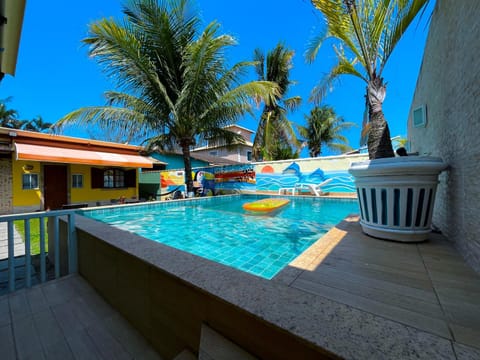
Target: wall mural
{"points": [[235, 177], [208, 181], [292, 174], [259, 177]]}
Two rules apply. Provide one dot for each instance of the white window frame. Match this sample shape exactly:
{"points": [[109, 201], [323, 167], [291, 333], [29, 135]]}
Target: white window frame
{"points": [[75, 183]]}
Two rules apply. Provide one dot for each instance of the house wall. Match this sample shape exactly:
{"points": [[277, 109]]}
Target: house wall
{"points": [[6, 178], [29, 199], [448, 85], [32, 199], [235, 153], [88, 195]]}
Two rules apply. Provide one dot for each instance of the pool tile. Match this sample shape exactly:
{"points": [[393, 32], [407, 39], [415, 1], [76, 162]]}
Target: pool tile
{"points": [[248, 249]]}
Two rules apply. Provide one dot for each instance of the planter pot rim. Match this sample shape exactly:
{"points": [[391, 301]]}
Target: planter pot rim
{"points": [[399, 165]]}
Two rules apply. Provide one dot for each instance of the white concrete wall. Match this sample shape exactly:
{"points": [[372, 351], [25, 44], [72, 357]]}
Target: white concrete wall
{"points": [[235, 153], [449, 86]]}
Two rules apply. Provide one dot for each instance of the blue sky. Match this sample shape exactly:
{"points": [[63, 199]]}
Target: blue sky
{"points": [[55, 75]]}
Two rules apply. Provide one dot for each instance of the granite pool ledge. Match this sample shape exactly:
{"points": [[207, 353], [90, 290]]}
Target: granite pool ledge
{"points": [[342, 329]]}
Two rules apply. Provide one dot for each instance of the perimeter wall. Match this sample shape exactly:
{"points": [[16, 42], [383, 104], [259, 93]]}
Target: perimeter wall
{"points": [[269, 176], [449, 87]]}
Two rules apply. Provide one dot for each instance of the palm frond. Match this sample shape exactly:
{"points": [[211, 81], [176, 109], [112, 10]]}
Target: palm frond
{"points": [[292, 103], [343, 67], [400, 20]]}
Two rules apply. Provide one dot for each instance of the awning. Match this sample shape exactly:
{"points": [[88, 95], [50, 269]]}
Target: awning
{"points": [[74, 156]]}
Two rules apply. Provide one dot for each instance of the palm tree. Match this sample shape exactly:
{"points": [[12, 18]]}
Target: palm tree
{"points": [[368, 30], [274, 129], [324, 127], [177, 89], [37, 124], [8, 117]]}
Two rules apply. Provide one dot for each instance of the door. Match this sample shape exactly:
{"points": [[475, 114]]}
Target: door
{"points": [[55, 186]]}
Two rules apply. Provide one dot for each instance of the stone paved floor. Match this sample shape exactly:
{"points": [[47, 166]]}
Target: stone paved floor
{"points": [[66, 319]]}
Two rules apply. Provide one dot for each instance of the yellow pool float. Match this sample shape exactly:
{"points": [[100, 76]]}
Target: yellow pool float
{"points": [[265, 205]]}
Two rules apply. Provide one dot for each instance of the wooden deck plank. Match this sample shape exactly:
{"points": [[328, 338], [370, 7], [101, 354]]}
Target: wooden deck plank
{"points": [[401, 296], [82, 346], [27, 341], [7, 344], [66, 319], [417, 320]]}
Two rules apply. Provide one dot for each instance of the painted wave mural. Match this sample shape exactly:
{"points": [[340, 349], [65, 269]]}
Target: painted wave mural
{"points": [[341, 181]]}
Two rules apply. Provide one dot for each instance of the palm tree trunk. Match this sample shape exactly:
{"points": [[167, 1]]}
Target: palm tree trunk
{"points": [[379, 143], [187, 165]]}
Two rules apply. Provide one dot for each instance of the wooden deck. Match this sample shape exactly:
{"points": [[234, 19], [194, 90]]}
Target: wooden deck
{"points": [[66, 319], [427, 285]]}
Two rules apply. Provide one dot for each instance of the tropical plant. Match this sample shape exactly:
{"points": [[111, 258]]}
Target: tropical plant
{"points": [[8, 117], [367, 30], [274, 130], [324, 127], [176, 87], [37, 124]]}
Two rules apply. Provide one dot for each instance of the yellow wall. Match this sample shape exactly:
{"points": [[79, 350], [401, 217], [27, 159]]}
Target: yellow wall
{"points": [[25, 197], [78, 195]]}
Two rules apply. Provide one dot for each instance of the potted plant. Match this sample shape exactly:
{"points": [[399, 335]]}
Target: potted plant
{"points": [[396, 194]]}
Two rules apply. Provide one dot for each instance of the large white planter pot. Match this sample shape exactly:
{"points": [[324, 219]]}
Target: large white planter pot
{"points": [[396, 196]]}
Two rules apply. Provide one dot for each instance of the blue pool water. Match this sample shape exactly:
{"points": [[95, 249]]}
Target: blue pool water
{"points": [[220, 230]]}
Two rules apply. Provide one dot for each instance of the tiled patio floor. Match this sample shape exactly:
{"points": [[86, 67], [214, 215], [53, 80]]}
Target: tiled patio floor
{"points": [[66, 319], [427, 285]]}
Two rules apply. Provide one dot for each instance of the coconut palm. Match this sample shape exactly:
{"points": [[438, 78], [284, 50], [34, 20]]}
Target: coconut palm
{"points": [[176, 87], [37, 124], [8, 117], [324, 127], [368, 31], [274, 130]]}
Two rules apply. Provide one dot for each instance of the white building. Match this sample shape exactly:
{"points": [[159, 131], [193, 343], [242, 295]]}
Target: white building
{"points": [[241, 152]]}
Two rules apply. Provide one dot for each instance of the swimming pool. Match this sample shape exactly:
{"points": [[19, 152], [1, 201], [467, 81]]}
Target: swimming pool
{"points": [[219, 229]]}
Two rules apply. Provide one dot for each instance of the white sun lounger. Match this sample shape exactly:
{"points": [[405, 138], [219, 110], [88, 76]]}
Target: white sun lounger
{"points": [[315, 189]]}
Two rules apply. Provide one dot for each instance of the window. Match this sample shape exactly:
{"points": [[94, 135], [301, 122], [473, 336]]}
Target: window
{"points": [[249, 156], [77, 181], [29, 181], [420, 116], [113, 178]]}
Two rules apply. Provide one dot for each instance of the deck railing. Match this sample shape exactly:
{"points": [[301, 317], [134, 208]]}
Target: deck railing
{"points": [[54, 217]]}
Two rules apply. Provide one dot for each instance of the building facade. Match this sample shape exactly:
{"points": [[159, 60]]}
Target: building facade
{"points": [[46, 172], [239, 153]]}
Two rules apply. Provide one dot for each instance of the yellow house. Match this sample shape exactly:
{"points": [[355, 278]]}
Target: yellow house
{"points": [[45, 171]]}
